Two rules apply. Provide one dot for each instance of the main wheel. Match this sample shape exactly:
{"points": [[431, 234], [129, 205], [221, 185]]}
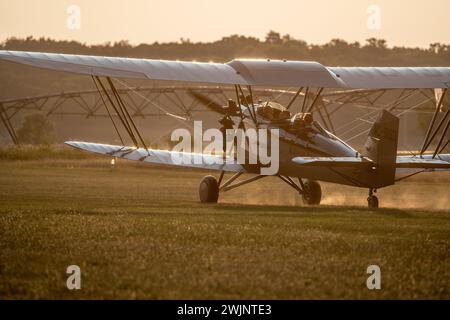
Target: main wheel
{"points": [[209, 190], [372, 202], [312, 192]]}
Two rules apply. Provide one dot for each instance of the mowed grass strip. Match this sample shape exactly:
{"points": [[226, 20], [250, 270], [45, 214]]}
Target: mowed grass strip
{"points": [[140, 232]]}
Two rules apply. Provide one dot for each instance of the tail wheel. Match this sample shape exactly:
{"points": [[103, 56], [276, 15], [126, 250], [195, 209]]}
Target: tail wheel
{"points": [[312, 192], [209, 190], [372, 202]]}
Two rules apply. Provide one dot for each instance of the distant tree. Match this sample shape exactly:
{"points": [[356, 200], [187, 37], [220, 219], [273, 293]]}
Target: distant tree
{"points": [[376, 43], [185, 41], [36, 129], [338, 43], [287, 38], [336, 52], [439, 48], [273, 37], [122, 44]]}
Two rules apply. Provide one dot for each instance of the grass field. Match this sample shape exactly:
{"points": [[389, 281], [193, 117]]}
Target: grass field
{"points": [[140, 232]]}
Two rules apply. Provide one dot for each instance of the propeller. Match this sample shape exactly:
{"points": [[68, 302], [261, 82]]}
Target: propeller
{"points": [[230, 110]]}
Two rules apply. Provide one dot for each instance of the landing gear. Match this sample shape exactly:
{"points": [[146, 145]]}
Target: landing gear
{"points": [[372, 200], [311, 192], [209, 190]]}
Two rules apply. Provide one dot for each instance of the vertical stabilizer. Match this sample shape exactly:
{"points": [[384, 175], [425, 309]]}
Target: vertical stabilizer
{"points": [[381, 147]]}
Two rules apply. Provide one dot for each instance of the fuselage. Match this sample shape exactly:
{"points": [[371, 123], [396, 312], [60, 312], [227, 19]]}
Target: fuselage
{"points": [[311, 140]]}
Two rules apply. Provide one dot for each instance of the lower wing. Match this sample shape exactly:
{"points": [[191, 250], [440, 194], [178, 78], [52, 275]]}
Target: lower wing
{"points": [[404, 164], [173, 158]]}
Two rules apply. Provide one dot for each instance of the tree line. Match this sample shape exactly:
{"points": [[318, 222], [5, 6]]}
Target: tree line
{"points": [[337, 52]]}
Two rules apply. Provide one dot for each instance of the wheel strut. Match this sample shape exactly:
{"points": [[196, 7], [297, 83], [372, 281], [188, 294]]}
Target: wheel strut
{"points": [[372, 200]]}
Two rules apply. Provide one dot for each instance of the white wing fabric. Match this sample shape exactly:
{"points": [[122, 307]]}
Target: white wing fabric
{"points": [[127, 67], [190, 160], [441, 161], [394, 77], [403, 162], [335, 162], [243, 72]]}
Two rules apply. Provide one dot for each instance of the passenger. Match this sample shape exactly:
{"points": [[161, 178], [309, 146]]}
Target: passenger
{"points": [[260, 111], [268, 113], [276, 113], [284, 115]]}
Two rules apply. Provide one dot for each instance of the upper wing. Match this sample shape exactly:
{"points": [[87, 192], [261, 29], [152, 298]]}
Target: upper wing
{"points": [[128, 67], [243, 72], [259, 73], [190, 160], [394, 77]]}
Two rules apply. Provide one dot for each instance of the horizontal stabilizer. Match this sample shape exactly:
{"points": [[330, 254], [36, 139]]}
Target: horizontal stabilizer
{"points": [[350, 162], [425, 162], [408, 162], [165, 157]]}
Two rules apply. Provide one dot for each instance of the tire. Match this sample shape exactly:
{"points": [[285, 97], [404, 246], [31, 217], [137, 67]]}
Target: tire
{"points": [[209, 190], [372, 202], [312, 193]]}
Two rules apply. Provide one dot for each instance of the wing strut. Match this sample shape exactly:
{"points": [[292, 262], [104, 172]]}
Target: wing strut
{"points": [[105, 92], [313, 105], [247, 104], [125, 112], [294, 98], [316, 98], [438, 150], [304, 99], [428, 140], [94, 79], [121, 112]]}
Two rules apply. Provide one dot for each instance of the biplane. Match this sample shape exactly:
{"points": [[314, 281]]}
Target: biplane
{"points": [[308, 153]]}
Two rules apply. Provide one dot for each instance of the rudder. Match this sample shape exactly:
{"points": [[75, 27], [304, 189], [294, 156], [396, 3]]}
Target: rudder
{"points": [[381, 147]]}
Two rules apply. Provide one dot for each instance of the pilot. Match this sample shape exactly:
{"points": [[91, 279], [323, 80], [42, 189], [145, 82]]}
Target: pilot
{"points": [[247, 100], [227, 123], [267, 112], [276, 113], [297, 122], [308, 119], [232, 107]]}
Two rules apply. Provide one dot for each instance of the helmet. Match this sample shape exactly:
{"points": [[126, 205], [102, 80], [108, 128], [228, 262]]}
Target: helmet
{"points": [[297, 121], [308, 118]]}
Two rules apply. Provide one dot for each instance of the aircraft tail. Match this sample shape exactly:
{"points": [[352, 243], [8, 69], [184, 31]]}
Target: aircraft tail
{"points": [[381, 147]]}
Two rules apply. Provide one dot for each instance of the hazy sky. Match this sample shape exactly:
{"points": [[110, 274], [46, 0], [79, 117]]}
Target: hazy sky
{"points": [[401, 22]]}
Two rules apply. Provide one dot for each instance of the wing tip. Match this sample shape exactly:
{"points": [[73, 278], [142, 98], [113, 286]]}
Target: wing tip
{"points": [[74, 144]]}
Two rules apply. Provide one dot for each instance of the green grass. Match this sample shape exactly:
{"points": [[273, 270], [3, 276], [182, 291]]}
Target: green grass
{"points": [[139, 232]]}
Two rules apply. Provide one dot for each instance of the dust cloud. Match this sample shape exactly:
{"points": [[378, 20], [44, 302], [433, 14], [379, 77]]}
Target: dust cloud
{"points": [[431, 191]]}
